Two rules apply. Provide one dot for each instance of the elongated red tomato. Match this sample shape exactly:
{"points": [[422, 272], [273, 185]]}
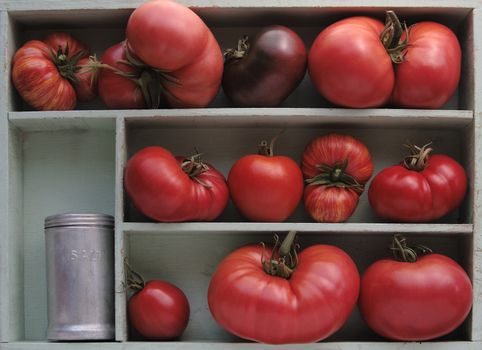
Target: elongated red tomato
{"points": [[167, 189], [336, 168], [47, 73], [349, 65], [172, 39], [424, 188], [265, 187], [159, 311], [415, 300], [430, 72], [277, 301]]}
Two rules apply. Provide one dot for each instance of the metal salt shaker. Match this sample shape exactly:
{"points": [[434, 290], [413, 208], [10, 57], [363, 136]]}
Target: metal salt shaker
{"points": [[80, 276]]}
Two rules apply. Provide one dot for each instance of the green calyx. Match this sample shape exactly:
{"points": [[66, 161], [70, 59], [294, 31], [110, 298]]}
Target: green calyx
{"points": [[193, 167], [402, 252], [67, 66], [391, 37], [284, 257], [240, 51], [335, 176]]}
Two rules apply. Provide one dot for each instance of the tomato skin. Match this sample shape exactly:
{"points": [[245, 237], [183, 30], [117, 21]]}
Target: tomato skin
{"points": [[415, 301], [114, 90], [160, 311], [161, 190], [156, 33], [272, 68], [430, 73], [332, 203], [400, 194], [349, 65], [309, 306], [265, 188], [36, 77]]}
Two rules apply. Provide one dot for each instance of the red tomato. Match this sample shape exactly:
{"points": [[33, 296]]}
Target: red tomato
{"points": [[115, 90], [265, 187], [425, 190], [414, 301], [45, 73], [430, 72], [349, 65], [170, 189], [190, 60], [159, 311], [336, 168], [277, 303]]}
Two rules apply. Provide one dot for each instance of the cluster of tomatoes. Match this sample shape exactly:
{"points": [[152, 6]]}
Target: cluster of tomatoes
{"points": [[170, 58]]}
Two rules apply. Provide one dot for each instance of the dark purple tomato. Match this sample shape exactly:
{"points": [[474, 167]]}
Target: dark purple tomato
{"points": [[263, 71]]}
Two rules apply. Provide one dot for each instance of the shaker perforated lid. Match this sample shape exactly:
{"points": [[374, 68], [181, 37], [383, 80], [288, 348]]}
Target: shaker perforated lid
{"points": [[79, 219]]}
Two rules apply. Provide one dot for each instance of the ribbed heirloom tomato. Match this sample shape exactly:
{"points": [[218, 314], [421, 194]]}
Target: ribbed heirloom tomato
{"points": [[412, 298], [52, 74], [350, 63], [172, 189], [170, 55], [279, 297], [336, 168], [423, 188]]}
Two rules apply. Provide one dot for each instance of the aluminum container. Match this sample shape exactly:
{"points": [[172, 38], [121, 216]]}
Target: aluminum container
{"points": [[80, 276]]}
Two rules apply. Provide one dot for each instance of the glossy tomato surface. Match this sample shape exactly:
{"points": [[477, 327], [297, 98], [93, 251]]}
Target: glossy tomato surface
{"points": [[37, 74], [163, 191], [265, 188], [415, 301], [160, 311], [115, 90], [400, 194], [337, 168], [170, 37], [430, 72], [349, 65], [309, 306], [272, 66]]}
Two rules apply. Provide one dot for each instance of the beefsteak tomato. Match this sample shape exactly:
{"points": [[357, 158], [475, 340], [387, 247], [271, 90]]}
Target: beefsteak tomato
{"points": [[49, 74], [350, 63], [414, 299], [263, 71], [336, 168], [265, 187], [173, 189], [282, 297], [168, 62], [423, 188]]}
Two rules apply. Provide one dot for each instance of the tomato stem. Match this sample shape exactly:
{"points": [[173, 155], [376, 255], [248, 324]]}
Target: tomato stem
{"points": [[418, 157], [67, 66], [134, 280], [193, 166], [391, 37], [240, 51], [268, 150], [402, 252], [284, 259], [335, 176]]}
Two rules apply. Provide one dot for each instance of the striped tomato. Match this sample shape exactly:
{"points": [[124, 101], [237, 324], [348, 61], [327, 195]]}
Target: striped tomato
{"points": [[48, 74]]}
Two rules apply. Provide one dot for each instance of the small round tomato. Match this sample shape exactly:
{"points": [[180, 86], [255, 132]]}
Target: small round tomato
{"points": [[159, 311], [414, 299], [423, 188], [275, 296], [265, 187], [49, 74], [336, 168]]}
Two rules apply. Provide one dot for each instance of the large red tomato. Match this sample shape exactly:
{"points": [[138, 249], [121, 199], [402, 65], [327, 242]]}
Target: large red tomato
{"points": [[336, 168], [264, 187], [423, 188], [174, 54], [284, 298], [159, 310], [430, 71], [350, 63], [47, 73], [415, 299], [170, 189]]}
